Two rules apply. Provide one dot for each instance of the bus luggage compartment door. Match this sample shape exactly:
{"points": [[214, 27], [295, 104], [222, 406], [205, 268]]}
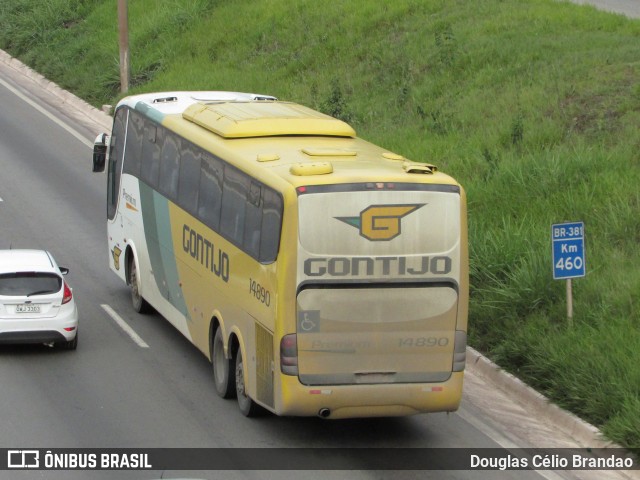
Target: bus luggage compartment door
{"points": [[376, 334]]}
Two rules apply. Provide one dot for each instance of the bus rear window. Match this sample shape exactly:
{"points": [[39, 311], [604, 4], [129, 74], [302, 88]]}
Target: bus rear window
{"points": [[379, 222]]}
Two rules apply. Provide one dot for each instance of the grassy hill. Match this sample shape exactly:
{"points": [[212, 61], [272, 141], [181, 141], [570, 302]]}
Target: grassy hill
{"points": [[533, 106]]}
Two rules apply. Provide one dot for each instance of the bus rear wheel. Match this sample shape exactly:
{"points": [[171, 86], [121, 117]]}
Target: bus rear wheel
{"points": [[224, 371], [140, 305], [248, 407]]}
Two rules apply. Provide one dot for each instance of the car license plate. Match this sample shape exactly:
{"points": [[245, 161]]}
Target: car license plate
{"points": [[27, 308]]}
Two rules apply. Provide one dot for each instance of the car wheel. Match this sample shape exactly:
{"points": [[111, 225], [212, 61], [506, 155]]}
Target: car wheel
{"points": [[70, 345], [224, 372], [140, 305], [248, 407]]}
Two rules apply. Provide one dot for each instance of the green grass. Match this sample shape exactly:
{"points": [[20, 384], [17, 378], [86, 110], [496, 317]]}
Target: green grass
{"points": [[533, 106]]}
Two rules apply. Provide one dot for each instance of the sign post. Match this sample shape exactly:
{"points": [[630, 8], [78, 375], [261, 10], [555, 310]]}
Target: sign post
{"points": [[123, 28], [567, 241]]}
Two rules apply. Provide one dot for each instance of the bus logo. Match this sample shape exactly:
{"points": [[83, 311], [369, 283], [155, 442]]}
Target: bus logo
{"points": [[116, 257], [381, 222]]}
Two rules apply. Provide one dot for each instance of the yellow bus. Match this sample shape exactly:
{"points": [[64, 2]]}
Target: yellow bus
{"points": [[319, 273]]}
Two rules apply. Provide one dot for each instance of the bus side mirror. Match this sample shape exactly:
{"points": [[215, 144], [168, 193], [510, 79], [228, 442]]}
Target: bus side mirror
{"points": [[100, 152]]}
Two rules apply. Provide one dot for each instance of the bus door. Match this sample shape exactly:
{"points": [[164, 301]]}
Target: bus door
{"points": [[114, 177]]}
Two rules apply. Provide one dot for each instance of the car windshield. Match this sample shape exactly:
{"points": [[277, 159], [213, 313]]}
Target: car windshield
{"points": [[29, 283]]}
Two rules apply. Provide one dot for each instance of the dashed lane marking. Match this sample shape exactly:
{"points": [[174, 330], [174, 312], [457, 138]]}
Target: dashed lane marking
{"points": [[124, 326]]}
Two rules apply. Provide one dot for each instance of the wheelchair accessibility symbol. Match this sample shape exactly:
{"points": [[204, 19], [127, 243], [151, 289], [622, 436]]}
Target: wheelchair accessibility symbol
{"points": [[308, 321]]}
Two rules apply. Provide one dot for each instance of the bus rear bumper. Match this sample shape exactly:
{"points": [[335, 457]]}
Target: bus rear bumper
{"points": [[354, 401]]}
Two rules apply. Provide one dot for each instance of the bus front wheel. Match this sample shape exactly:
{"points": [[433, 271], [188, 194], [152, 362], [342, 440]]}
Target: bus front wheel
{"points": [[248, 407], [224, 372], [140, 305]]}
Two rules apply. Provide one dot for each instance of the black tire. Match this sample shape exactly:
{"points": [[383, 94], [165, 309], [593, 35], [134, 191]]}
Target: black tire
{"points": [[70, 345], [248, 407], [224, 370], [140, 305]]}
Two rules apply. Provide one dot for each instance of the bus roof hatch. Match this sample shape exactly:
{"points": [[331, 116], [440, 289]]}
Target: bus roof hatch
{"points": [[264, 119]]}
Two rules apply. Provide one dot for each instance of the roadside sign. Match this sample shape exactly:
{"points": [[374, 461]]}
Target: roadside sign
{"points": [[568, 250]]}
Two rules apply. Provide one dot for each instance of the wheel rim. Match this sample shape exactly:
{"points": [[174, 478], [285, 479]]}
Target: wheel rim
{"points": [[219, 367], [135, 294], [240, 378]]}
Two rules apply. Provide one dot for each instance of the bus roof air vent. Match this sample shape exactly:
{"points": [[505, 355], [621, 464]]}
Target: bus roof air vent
{"points": [[415, 167], [328, 152], [392, 156], [165, 99], [264, 98], [264, 119], [316, 168], [268, 157]]}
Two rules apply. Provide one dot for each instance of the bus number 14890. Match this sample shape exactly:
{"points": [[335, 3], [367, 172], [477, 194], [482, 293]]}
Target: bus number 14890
{"points": [[259, 292], [424, 342]]}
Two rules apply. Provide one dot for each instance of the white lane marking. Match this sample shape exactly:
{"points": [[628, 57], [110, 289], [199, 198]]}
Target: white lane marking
{"points": [[47, 114], [501, 440], [124, 326]]}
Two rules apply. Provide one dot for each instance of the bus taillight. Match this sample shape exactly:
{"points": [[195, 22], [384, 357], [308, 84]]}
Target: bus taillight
{"points": [[289, 354]]}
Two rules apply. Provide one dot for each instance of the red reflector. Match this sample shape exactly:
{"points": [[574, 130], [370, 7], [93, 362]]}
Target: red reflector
{"points": [[289, 354], [289, 361], [437, 389], [289, 342], [301, 189], [69, 329], [67, 295], [315, 392]]}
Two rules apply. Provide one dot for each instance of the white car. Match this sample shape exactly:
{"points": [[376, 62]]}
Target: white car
{"points": [[36, 303]]}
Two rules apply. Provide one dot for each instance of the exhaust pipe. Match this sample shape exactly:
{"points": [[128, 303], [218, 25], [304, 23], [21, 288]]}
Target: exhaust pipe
{"points": [[324, 413]]}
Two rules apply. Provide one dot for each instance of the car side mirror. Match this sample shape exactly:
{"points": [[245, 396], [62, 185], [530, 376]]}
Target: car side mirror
{"points": [[64, 270], [100, 152]]}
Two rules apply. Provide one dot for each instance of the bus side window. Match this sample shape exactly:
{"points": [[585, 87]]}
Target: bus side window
{"points": [[253, 220], [115, 162], [271, 226], [133, 148], [234, 201], [189, 180], [169, 161], [151, 154], [210, 191]]}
